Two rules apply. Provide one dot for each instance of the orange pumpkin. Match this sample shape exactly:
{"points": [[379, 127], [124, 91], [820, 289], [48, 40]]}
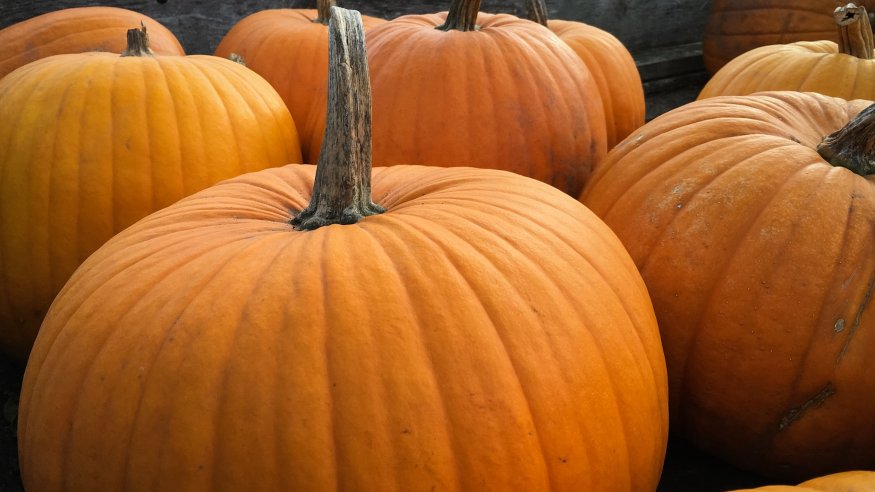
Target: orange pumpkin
{"points": [[76, 30], [485, 331], [850, 481], [610, 64], [734, 27], [491, 91], [846, 70], [289, 48], [95, 141], [758, 254]]}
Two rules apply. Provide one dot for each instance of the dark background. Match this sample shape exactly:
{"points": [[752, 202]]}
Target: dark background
{"points": [[664, 37]]}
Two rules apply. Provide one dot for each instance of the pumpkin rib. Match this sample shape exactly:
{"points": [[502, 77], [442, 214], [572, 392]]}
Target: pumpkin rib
{"points": [[448, 439]]}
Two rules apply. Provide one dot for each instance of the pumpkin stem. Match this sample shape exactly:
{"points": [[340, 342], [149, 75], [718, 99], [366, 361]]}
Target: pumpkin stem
{"points": [[462, 16], [536, 11], [855, 31], [853, 146], [342, 188], [323, 7], [138, 42]]}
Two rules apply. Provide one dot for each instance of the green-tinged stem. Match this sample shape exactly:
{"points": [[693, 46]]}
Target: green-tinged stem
{"points": [[462, 16], [855, 31], [342, 189], [138, 42], [853, 146], [536, 11]]}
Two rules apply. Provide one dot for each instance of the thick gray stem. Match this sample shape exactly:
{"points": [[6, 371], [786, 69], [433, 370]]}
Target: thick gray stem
{"points": [[342, 189], [138, 42], [536, 11], [855, 31], [323, 7]]}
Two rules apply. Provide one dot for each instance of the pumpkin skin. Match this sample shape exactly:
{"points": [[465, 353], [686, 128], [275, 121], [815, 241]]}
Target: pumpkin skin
{"points": [[290, 50], [77, 30], [96, 141], [805, 66], [759, 259], [734, 27], [508, 96], [486, 331], [613, 70], [850, 481]]}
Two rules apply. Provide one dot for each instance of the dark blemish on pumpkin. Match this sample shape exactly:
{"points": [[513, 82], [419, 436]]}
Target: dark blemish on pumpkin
{"points": [[406, 431], [128, 144], [793, 138], [858, 319], [815, 401], [200, 467], [840, 325], [563, 459]]}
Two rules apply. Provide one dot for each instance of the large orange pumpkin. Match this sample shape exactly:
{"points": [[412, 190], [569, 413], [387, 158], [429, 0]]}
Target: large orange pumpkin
{"points": [[845, 70], [734, 27], [610, 64], [76, 30], [485, 331], [492, 91], [289, 48], [93, 142], [850, 481], [758, 254]]}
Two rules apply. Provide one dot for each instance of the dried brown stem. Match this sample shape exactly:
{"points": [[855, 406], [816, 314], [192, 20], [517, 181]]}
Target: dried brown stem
{"points": [[138, 42], [342, 189], [855, 31], [323, 7], [462, 16], [853, 146], [536, 11]]}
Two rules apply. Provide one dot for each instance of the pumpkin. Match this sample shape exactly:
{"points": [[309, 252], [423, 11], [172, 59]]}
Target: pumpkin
{"points": [[846, 70], [473, 329], [484, 90], [850, 481], [95, 141], [289, 48], [75, 30], [758, 254], [734, 27], [610, 64]]}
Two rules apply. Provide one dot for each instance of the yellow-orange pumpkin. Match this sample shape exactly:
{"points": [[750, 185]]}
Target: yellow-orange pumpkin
{"points": [[75, 30], [491, 91], [845, 70], [289, 48], [610, 64], [486, 331], [734, 27], [850, 481], [92, 142], [759, 257]]}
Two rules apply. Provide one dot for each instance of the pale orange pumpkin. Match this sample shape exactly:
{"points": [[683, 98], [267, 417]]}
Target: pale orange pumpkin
{"points": [[76, 30], [475, 330], [845, 70], [758, 255], [93, 142], [850, 481], [289, 48]]}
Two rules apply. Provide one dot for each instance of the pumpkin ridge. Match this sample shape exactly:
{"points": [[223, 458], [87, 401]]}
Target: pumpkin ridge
{"points": [[818, 62], [858, 320]]}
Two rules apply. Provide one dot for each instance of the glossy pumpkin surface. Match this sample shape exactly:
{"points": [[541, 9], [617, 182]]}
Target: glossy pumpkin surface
{"points": [[759, 257]]}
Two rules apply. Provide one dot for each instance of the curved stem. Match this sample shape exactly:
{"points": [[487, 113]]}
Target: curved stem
{"points": [[323, 7], [462, 16], [853, 146], [855, 31], [138, 42], [342, 189], [536, 11]]}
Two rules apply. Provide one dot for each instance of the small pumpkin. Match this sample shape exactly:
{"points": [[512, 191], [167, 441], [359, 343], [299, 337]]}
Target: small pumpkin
{"points": [[734, 27], [289, 48], [95, 141], [76, 30], [484, 90], [755, 242], [610, 64], [846, 70], [475, 330], [849, 481]]}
